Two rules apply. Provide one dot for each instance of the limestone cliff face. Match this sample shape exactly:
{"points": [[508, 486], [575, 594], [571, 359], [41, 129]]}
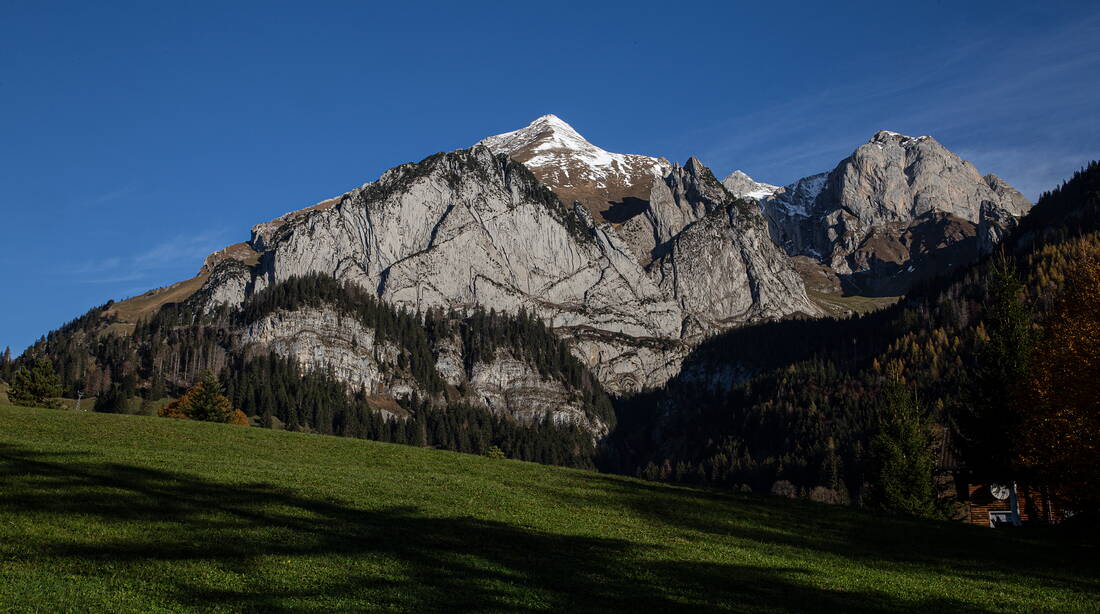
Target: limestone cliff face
{"points": [[684, 196], [318, 338], [890, 184], [725, 270], [715, 256], [994, 224], [473, 228], [507, 385], [325, 340]]}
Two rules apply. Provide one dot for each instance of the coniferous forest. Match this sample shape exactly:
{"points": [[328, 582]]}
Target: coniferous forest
{"points": [[168, 352]]}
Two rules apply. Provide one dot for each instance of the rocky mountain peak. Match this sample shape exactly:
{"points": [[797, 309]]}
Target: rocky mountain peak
{"points": [[742, 186], [883, 137], [578, 171], [545, 134], [855, 219]]}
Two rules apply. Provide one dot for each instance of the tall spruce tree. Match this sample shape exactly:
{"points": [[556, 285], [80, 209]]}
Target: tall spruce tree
{"points": [[989, 426], [901, 463], [5, 365]]}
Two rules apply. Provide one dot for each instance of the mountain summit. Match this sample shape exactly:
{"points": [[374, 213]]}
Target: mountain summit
{"points": [[742, 186], [605, 183], [881, 210]]}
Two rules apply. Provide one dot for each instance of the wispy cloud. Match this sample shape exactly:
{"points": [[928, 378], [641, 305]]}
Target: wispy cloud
{"points": [[122, 192], [173, 253], [101, 200], [181, 248], [97, 266]]}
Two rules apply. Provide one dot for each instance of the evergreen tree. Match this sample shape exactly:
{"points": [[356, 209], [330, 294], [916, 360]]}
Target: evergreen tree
{"points": [[5, 365], [990, 424], [38, 386], [204, 401], [112, 401], [900, 469]]}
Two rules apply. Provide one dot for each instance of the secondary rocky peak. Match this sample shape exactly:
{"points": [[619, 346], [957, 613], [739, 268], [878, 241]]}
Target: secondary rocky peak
{"points": [[742, 186], [855, 218]]}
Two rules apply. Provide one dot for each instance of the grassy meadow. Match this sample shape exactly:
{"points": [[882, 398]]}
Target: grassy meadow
{"points": [[134, 514]]}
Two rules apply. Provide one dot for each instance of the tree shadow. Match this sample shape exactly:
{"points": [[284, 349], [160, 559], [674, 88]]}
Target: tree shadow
{"points": [[201, 543], [861, 537]]}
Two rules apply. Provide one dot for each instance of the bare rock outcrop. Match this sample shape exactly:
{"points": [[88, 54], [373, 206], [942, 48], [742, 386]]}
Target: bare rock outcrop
{"points": [[888, 185], [470, 228]]}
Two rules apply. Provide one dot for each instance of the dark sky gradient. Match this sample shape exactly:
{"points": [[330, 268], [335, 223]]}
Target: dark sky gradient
{"points": [[138, 137]]}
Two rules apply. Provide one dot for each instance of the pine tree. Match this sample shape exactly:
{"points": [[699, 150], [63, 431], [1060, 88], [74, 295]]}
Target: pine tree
{"points": [[901, 465], [989, 426], [37, 387], [5, 364]]}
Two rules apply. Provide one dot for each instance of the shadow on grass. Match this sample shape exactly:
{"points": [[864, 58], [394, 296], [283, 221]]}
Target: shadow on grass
{"points": [[1025, 555], [272, 549]]}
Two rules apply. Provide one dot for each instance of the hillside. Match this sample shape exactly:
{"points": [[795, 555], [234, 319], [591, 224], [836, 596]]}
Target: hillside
{"points": [[132, 514]]}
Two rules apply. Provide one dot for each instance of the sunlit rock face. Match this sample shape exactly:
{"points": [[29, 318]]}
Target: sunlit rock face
{"points": [[859, 214], [474, 228]]}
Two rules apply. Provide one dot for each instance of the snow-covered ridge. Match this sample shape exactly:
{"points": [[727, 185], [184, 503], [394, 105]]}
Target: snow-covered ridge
{"points": [[797, 199], [550, 142], [883, 137]]}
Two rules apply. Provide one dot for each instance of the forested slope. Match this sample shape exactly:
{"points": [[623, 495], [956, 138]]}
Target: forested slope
{"points": [[801, 400], [544, 412]]}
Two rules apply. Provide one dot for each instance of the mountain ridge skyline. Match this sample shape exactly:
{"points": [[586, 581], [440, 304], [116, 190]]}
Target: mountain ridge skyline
{"points": [[174, 146]]}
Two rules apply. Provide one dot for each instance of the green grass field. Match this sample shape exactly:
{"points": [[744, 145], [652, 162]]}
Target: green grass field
{"points": [[134, 514]]}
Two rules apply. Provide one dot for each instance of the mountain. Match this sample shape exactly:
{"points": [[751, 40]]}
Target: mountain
{"points": [[879, 219], [470, 228], [634, 263]]}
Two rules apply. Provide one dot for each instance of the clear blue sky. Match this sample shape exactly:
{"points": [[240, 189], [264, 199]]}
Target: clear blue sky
{"points": [[137, 137]]}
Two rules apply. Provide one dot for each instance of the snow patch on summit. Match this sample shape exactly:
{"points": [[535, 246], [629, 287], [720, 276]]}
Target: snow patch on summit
{"points": [[549, 142], [742, 186]]}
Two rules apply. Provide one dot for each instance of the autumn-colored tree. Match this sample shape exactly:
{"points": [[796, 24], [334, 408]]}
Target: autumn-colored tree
{"points": [[205, 401], [175, 409], [238, 418], [1060, 436]]}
